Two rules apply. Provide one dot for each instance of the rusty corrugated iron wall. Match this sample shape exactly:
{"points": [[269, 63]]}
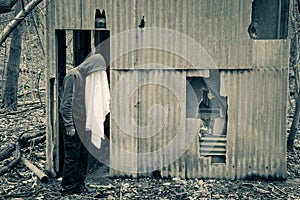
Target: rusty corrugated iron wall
{"points": [[256, 136], [219, 26], [254, 74]]}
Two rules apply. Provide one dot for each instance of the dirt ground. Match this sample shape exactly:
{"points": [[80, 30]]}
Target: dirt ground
{"points": [[21, 183]]}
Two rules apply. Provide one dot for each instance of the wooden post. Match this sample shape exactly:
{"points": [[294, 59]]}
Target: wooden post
{"points": [[294, 126]]}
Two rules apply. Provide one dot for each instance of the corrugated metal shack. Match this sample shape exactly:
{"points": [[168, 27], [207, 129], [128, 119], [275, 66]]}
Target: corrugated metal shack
{"points": [[245, 137]]}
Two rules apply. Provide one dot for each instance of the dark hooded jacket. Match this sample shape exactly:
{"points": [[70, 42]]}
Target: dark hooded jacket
{"points": [[72, 106]]}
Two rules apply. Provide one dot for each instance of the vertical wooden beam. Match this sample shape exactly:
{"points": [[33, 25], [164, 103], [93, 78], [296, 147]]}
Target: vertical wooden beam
{"points": [[50, 127], [50, 66]]}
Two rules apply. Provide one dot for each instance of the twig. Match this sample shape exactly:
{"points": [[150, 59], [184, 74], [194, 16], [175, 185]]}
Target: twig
{"points": [[39, 92], [261, 190], [14, 162], [5, 153], [23, 141], [25, 93], [9, 166], [28, 103], [36, 140], [4, 67], [47, 4], [38, 34], [18, 195], [278, 189], [30, 136], [22, 111], [86, 197]]}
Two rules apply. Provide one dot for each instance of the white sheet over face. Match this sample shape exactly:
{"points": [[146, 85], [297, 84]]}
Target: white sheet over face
{"points": [[97, 100]]}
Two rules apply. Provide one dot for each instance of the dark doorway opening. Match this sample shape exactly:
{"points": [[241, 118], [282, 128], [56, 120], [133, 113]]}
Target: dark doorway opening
{"points": [[72, 48]]}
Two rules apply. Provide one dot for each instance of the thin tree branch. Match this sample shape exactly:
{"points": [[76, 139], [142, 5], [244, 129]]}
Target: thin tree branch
{"points": [[14, 162], [38, 34], [4, 67], [17, 20]]}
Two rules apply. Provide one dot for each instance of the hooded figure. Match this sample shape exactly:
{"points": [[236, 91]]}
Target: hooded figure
{"points": [[84, 105]]}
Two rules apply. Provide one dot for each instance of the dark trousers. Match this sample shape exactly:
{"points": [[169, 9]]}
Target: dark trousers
{"points": [[75, 162]]}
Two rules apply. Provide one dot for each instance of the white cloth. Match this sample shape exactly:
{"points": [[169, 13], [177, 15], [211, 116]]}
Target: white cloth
{"points": [[97, 100]]}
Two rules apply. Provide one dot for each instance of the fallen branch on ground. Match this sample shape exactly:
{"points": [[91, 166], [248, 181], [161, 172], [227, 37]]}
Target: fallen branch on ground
{"points": [[274, 186], [18, 195], [24, 110], [34, 140], [6, 152], [14, 162], [24, 141], [41, 175]]}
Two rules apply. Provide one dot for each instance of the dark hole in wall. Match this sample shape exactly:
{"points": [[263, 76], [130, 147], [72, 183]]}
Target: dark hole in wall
{"points": [[269, 19], [212, 110]]}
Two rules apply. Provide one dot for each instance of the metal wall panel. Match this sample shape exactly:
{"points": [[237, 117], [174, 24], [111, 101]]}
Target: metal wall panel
{"points": [[256, 131], [256, 90], [270, 53], [161, 121], [219, 27], [256, 122], [68, 14], [123, 140], [153, 134]]}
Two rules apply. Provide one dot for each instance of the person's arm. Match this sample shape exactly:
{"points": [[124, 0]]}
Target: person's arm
{"points": [[66, 106]]}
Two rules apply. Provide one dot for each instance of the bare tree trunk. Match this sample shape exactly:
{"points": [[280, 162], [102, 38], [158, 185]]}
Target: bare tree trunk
{"points": [[293, 129], [9, 100], [294, 12], [294, 126]]}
